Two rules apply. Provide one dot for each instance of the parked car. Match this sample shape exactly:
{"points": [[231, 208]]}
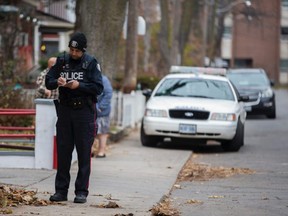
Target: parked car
{"points": [[194, 105], [254, 82]]}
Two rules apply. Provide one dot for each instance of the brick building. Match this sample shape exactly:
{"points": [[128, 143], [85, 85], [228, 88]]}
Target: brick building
{"points": [[252, 36]]}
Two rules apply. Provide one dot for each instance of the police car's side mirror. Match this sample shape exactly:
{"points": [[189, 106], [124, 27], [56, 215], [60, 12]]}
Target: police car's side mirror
{"points": [[244, 98], [147, 92]]}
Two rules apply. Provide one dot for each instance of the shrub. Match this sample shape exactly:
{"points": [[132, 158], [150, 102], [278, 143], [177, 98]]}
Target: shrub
{"points": [[148, 82], [12, 97]]}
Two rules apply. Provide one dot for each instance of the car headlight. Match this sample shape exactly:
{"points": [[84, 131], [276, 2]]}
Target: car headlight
{"points": [[156, 113], [267, 93], [223, 116]]}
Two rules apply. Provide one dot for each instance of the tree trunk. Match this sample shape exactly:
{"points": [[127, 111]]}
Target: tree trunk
{"points": [[175, 58], [180, 21], [130, 77], [150, 15], [163, 36], [102, 23], [9, 31]]}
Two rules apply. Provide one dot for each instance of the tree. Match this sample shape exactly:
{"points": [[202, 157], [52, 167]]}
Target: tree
{"points": [[130, 80], [9, 31], [189, 14], [175, 28], [163, 36], [102, 22], [217, 39], [151, 16]]}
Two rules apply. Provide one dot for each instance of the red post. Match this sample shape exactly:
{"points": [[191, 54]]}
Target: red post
{"points": [[55, 163]]}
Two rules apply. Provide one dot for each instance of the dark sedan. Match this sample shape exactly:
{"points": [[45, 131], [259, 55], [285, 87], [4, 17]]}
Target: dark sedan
{"points": [[254, 82]]}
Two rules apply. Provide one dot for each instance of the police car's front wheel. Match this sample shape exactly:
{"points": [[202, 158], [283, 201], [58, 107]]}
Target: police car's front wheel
{"points": [[147, 140], [238, 140]]}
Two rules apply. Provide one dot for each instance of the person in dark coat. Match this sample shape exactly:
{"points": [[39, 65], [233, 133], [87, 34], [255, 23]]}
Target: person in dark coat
{"points": [[78, 77]]}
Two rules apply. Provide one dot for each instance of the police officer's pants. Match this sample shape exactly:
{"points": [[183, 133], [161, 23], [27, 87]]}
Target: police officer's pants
{"points": [[75, 127]]}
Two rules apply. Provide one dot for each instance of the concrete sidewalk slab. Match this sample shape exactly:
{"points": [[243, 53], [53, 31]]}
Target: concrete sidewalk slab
{"points": [[133, 176]]}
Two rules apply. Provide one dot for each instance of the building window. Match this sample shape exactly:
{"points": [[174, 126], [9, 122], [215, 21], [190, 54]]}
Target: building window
{"points": [[284, 65], [284, 32], [227, 32], [243, 63], [285, 3], [23, 39]]}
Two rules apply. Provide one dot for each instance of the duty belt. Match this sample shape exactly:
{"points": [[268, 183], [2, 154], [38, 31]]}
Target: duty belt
{"points": [[76, 103]]}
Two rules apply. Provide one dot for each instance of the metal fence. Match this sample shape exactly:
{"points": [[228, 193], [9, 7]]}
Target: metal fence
{"points": [[127, 109]]}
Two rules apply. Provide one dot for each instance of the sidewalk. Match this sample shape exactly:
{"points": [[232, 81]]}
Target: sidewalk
{"points": [[133, 176]]}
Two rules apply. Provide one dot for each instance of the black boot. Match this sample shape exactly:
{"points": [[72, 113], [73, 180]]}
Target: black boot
{"points": [[80, 198], [58, 197]]}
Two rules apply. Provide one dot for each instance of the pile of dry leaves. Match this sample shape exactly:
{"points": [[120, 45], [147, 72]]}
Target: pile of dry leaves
{"points": [[203, 172], [164, 208], [13, 197]]}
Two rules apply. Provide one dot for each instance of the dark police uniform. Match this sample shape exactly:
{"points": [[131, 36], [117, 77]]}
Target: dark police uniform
{"points": [[76, 118]]}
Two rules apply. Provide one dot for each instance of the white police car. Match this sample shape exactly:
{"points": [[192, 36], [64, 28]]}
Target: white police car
{"points": [[195, 105]]}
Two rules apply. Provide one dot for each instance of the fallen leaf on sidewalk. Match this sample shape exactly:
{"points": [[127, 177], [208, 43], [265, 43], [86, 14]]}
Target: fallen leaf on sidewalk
{"points": [[109, 205], [6, 211], [164, 208], [112, 205], [215, 197], [177, 186], [108, 196], [193, 201]]}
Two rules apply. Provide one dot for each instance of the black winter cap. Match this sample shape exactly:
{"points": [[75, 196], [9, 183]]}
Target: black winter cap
{"points": [[78, 41]]}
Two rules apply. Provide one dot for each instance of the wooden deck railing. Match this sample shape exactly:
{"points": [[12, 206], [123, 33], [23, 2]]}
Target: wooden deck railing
{"points": [[17, 135]]}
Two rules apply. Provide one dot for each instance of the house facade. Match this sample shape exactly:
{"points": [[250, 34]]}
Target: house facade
{"points": [[41, 31], [253, 37]]}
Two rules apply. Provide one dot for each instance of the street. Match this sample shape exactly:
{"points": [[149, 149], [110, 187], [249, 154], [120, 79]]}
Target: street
{"points": [[263, 193], [137, 177]]}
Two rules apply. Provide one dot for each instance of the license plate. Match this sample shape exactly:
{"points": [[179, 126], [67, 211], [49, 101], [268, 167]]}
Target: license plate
{"points": [[187, 129]]}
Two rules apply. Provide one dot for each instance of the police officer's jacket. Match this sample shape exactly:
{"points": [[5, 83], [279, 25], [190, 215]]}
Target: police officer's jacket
{"points": [[86, 71]]}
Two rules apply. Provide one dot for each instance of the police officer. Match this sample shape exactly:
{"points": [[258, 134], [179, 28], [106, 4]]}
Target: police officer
{"points": [[79, 79]]}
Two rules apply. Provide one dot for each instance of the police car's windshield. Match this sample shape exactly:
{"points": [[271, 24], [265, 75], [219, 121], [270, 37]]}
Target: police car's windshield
{"points": [[200, 88]]}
